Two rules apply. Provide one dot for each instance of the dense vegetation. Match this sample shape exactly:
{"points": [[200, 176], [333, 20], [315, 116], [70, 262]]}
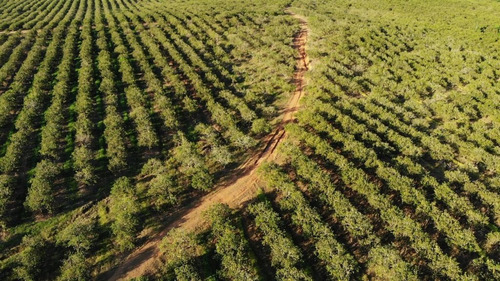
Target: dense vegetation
{"points": [[391, 170], [114, 113]]}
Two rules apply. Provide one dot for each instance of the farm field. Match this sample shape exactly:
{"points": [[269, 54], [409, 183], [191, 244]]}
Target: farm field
{"points": [[249, 140]]}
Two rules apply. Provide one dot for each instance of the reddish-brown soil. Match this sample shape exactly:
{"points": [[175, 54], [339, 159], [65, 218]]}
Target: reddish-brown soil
{"points": [[236, 189]]}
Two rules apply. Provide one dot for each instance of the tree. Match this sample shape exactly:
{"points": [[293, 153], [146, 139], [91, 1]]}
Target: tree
{"points": [[75, 268], [180, 247], [79, 234], [85, 170], [163, 186], [186, 272], [31, 258], [384, 264], [40, 194], [231, 245], [163, 189], [261, 126], [192, 164], [5, 196], [221, 155], [123, 210], [285, 256]]}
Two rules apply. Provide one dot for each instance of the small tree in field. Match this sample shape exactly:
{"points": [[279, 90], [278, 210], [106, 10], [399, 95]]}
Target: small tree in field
{"points": [[192, 164], [79, 234], [261, 126], [5, 196], [75, 268], [179, 247], [123, 212], [40, 194], [31, 258]]}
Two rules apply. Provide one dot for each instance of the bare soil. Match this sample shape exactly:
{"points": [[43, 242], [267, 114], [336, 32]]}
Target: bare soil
{"points": [[236, 189]]}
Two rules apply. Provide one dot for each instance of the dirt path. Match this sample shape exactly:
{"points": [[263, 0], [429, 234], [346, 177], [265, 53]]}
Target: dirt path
{"points": [[235, 190]]}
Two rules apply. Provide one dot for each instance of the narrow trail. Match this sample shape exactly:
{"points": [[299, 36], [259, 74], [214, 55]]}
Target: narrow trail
{"points": [[236, 189]]}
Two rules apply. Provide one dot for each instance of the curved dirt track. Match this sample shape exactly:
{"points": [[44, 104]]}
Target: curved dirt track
{"points": [[236, 189]]}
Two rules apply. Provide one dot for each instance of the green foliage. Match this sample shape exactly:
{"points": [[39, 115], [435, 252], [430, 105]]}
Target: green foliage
{"points": [[114, 131], [40, 193], [179, 247], [212, 138], [141, 278], [163, 189], [202, 180], [5, 197], [284, 254], [385, 265], [85, 173], [75, 268], [123, 210], [231, 245], [261, 126], [393, 162], [186, 272], [79, 234], [192, 164], [31, 258], [163, 185], [338, 263], [221, 155]]}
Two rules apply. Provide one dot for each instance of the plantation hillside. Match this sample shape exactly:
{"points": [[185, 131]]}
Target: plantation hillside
{"points": [[249, 140]]}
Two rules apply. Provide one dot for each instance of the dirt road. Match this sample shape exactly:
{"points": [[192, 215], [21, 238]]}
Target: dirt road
{"points": [[236, 189]]}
